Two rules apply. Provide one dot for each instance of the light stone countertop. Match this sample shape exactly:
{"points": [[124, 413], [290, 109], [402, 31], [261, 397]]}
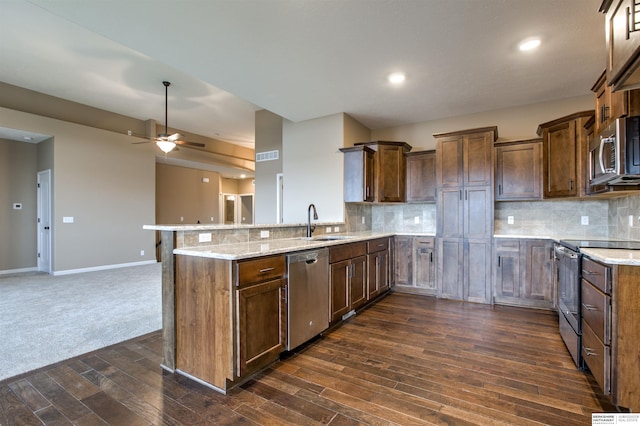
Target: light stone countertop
{"points": [[613, 256], [213, 226], [247, 250]]}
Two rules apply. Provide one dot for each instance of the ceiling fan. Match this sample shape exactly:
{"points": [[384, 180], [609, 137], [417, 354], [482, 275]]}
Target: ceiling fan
{"points": [[165, 141]]}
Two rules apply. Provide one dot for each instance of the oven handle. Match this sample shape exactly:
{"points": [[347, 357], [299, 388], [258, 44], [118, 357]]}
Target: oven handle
{"points": [[564, 252]]}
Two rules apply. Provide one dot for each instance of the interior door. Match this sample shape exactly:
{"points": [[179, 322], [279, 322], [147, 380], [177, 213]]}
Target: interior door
{"points": [[246, 208], [44, 221]]}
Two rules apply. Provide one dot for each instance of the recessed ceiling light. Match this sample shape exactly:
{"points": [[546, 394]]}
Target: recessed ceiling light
{"points": [[529, 44], [27, 138], [396, 77]]}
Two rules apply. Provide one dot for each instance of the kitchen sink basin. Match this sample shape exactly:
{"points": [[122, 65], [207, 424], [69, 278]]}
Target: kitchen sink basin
{"points": [[328, 238]]}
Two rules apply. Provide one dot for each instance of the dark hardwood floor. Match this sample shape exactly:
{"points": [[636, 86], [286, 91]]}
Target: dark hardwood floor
{"points": [[406, 360]]}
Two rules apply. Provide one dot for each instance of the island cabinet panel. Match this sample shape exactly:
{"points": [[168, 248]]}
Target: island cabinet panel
{"points": [[523, 274], [421, 176], [204, 319], [518, 170]]}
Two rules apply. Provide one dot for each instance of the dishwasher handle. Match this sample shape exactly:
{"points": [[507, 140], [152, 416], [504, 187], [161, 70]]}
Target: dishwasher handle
{"points": [[311, 261]]}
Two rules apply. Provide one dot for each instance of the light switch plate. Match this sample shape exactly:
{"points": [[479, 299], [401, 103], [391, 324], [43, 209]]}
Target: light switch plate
{"points": [[67, 219], [264, 234], [584, 220], [510, 220], [204, 237]]}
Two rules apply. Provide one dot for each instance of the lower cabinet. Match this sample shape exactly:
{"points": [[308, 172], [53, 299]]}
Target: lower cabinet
{"points": [[377, 267], [610, 333], [347, 280], [523, 273], [415, 270]]}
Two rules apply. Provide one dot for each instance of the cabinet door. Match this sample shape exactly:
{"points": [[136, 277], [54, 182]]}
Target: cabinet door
{"points": [[403, 260], [358, 175], [507, 278], [519, 171], [339, 286], [450, 267], [477, 164], [478, 271], [477, 212], [390, 173], [357, 282], [537, 278], [261, 324], [560, 148], [424, 265], [449, 162], [421, 177], [450, 212], [623, 41]]}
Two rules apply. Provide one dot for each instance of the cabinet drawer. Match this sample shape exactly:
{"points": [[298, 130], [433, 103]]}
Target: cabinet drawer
{"points": [[347, 251], [597, 274], [261, 269], [596, 311], [598, 358], [379, 244]]}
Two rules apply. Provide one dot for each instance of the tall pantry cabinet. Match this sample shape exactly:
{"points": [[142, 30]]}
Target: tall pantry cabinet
{"points": [[464, 204]]}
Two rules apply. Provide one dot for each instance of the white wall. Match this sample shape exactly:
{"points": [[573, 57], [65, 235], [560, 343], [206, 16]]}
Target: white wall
{"points": [[106, 184], [313, 168], [513, 123], [268, 138]]}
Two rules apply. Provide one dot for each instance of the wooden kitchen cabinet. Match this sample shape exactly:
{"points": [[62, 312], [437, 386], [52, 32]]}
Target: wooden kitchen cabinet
{"points": [[415, 265], [231, 317], [358, 174], [622, 31], [610, 333], [348, 278], [518, 170], [611, 105], [523, 274], [378, 280], [421, 176], [564, 151], [388, 176], [464, 207]]}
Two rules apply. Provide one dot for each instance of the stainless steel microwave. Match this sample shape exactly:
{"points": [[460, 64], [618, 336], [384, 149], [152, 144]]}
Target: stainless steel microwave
{"points": [[614, 155]]}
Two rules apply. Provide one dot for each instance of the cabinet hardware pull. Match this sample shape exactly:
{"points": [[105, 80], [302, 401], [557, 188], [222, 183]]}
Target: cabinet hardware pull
{"points": [[570, 184], [461, 195], [499, 189], [590, 352], [590, 307], [431, 257], [499, 260], [262, 271], [589, 272], [631, 19], [466, 194]]}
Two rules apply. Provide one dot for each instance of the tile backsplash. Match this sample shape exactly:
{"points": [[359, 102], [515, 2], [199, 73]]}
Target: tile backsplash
{"points": [[607, 218]]}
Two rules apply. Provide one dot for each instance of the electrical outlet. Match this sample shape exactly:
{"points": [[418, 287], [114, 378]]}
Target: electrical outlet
{"points": [[264, 234], [327, 230], [204, 237], [510, 220], [584, 220], [336, 229], [363, 219], [416, 219], [630, 220], [141, 252]]}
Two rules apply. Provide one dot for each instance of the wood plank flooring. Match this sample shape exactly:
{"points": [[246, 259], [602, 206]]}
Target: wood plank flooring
{"points": [[407, 360]]}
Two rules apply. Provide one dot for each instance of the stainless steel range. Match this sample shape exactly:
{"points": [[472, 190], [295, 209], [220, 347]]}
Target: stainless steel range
{"points": [[569, 269]]}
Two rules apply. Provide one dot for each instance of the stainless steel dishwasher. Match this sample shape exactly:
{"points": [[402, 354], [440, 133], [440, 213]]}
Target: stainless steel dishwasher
{"points": [[308, 295]]}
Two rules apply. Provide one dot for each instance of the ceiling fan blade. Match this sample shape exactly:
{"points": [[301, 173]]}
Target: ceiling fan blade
{"points": [[187, 144], [174, 137]]}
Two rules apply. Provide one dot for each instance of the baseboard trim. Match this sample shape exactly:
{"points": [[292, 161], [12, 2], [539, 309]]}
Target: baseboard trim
{"points": [[103, 267], [18, 271]]}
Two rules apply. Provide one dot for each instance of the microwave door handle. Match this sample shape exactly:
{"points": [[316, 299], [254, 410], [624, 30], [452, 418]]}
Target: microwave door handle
{"points": [[601, 161]]}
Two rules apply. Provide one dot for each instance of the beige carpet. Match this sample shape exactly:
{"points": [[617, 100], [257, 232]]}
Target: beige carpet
{"points": [[45, 319]]}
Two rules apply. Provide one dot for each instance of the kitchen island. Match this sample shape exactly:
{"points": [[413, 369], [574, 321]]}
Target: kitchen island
{"points": [[224, 304]]}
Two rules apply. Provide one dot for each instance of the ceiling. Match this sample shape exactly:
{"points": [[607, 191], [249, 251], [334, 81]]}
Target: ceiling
{"points": [[300, 59]]}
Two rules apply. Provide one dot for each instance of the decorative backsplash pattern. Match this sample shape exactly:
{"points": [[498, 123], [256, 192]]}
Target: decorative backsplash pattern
{"points": [[391, 217]]}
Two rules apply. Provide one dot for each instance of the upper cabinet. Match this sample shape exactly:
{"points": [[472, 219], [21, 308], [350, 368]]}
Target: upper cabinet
{"points": [[564, 153], [382, 163], [611, 105], [622, 31], [518, 170], [421, 176], [464, 157]]}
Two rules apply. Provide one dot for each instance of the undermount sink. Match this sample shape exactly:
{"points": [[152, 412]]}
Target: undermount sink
{"points": [[327, 237]]}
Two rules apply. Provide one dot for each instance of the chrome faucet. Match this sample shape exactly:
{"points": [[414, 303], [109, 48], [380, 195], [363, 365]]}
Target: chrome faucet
{"points": [[310, 228]]}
